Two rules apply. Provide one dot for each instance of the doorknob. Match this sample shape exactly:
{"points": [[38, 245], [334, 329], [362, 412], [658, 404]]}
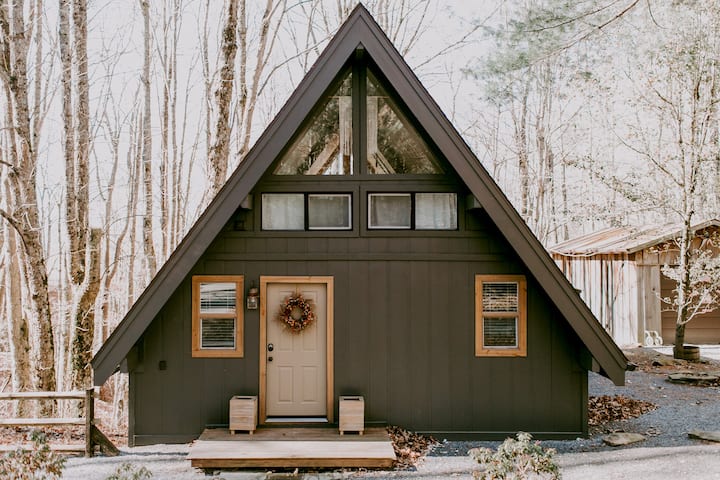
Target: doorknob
{"points": [[269, 359], [271, 347]]}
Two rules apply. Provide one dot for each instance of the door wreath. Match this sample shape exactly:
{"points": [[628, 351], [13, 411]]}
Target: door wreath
{"points": [[297, 313]]}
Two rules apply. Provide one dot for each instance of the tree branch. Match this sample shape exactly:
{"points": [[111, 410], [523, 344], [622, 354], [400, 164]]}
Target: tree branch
{"points": [[13, 223]]}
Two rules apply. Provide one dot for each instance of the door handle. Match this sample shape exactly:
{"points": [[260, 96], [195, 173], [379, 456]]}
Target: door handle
{"points": [[270, 359], [271, 347]]}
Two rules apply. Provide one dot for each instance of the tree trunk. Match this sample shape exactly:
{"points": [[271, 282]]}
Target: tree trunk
{"points": [[17, 325], [220, 150], [679, 348], [164, 140], [521, 146], [23, 205], [266, 42], [147, 224], [683, 288], [84, 332], [72, 221], [82, 115]]}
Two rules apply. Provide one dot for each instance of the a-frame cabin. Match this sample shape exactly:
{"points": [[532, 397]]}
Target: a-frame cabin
{"points": [[422, 288]]}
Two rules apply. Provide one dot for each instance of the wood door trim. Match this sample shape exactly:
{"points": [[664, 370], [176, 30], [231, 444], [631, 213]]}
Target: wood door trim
{"points": [[329, 294]]}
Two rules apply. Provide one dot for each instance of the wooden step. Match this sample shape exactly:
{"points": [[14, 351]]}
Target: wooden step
{"points": [[292, 447]]}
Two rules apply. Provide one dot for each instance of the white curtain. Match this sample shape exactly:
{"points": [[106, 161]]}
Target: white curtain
{"points": [[283, 211], [391, 210], [329, 212], [435, 211]]}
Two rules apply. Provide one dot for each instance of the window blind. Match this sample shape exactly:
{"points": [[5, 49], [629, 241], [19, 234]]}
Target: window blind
{"points": [[217, 333], [500, 297], [217, 297], [500, 332]]}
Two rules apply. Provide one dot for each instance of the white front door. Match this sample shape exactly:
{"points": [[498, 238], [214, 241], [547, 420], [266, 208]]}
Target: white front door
{"points": [[296, 362]]}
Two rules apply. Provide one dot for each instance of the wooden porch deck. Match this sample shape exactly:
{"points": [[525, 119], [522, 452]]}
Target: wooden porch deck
{"points": [[292, 447]]}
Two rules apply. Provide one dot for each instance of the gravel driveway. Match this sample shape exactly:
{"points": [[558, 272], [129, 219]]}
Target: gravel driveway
{"points": [[667, 453]]}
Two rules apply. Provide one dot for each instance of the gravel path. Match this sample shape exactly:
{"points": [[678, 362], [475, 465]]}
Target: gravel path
{"points": [[667, 452]]}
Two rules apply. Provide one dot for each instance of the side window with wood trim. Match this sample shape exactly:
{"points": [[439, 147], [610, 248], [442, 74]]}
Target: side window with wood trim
{"points": [[500, 316], [217, 316]]}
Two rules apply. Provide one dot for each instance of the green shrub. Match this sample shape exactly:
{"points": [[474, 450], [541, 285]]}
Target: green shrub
{"points": [[40, 463], [516, 460], [128, 471]]}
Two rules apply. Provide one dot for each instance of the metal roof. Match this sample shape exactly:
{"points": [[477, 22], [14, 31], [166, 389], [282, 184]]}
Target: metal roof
{"points": [[361, 30], [625, 239]]}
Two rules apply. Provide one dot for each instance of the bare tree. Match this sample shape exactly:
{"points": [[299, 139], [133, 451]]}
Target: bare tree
{"points": [[270, 26], [84, 261], [22, 212], [218, 158], [18, 332], [147, 224], [170, 160], [676, 133], [527, 85]]}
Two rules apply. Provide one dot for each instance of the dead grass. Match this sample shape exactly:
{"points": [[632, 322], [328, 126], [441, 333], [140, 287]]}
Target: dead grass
{"points": [[651, 361], [607, 408], [410, 447]]}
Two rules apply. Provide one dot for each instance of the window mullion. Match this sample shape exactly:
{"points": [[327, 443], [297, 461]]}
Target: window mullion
{"points": [[218, 315], [500, 314], [306, 212], [359, 93]]}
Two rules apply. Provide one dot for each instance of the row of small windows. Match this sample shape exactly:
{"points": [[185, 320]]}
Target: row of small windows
{"points": [[385, 211]]}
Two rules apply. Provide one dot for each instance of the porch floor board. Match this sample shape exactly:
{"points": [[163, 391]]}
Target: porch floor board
{"points": [[292, 447]]}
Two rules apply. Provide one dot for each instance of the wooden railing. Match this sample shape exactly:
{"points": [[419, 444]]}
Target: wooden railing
{"points": [[93, 436]]}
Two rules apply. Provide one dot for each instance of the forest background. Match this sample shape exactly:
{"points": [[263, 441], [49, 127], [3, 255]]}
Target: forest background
{"points": [[120, 119]]}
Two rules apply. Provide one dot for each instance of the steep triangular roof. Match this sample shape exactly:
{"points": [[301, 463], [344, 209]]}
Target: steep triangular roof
{"points": [[361, 30]]}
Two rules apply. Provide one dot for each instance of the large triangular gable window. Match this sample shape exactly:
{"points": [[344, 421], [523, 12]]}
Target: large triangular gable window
{"points": [[324, 146], [393, 145]]}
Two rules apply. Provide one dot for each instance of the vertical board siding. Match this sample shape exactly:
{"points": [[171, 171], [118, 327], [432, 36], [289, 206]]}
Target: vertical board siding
{"points": [[608, 283], [378, 322], [439, 348], [703, 329], [404, 330]]}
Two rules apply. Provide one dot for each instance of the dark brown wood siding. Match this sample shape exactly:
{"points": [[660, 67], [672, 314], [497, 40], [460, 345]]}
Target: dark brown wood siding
{"points": [[404, 336], [704, 329]]}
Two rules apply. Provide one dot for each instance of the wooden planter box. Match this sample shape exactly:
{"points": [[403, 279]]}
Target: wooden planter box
{"points": [[352, 414], [243, 414]]}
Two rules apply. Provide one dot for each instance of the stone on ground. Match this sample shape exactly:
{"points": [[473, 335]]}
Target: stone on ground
{"points": [[622, 438], [663, 362], [702, 435], [698, 378]]}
